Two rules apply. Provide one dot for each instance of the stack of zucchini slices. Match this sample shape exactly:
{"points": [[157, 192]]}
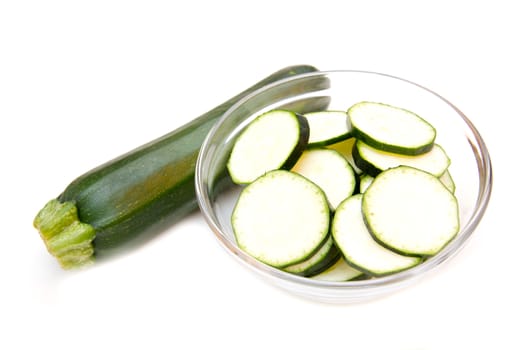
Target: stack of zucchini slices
{"points": [[342, 195]]}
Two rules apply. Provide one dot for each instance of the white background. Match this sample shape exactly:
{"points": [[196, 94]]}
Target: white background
{"points": [[84, 81]]}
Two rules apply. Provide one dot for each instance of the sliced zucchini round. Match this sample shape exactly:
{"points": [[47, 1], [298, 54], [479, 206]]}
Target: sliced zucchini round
{"points": [[274, 140], [281, 218], [374, 161], [330, 171], [390, 128], [327, 127], [357, 245], [410, 211]]}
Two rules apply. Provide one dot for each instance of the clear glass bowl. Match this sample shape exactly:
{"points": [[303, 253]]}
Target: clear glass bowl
{"points": [[338, 90]]}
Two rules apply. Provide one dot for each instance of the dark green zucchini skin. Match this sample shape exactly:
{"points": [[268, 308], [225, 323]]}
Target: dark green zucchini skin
{"points": [[126, 196]]}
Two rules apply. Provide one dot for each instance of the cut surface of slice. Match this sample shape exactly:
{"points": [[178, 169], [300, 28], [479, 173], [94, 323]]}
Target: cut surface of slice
{"points": [[330, 171], [410, 211], [327, 127], [390, 128], [281, 218], [338, 272], [373, 161], [273, 140], [359, 247]]}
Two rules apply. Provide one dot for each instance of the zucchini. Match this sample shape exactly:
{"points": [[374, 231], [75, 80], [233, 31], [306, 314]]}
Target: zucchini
{"points": [[373, 161], [390, 128], [125, 197], [410, 211], [273, 140], [281, 218]]}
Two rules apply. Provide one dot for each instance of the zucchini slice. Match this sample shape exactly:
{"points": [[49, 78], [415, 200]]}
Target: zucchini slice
{"points": [[390, 128], [273, 140], [136, 194], [410, 211], [327, 127], [374, 161], [330, 171], [281, 218], [359, 248], [338, 272], [324, 258]]}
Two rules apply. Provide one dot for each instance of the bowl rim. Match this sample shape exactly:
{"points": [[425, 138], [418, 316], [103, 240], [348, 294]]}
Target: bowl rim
{"points": [[483, 162]]}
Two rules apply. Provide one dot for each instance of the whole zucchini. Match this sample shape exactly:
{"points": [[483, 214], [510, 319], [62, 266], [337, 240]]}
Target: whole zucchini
{"points": [[126, 196]]}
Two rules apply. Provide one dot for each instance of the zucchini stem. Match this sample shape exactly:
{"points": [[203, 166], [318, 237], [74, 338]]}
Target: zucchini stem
{"points": [[67, 238]]}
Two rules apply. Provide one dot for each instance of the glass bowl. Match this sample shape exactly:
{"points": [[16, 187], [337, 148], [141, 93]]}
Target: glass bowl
{"points": [[338, 90]]}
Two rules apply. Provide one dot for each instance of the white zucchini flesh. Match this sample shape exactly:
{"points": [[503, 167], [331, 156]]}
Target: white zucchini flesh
{"points": [[281, 218], [435, 161], [390, 128], [359, 247], [410, 211], [330, 171], [272, 141], [327, 127], [339, 272]]}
